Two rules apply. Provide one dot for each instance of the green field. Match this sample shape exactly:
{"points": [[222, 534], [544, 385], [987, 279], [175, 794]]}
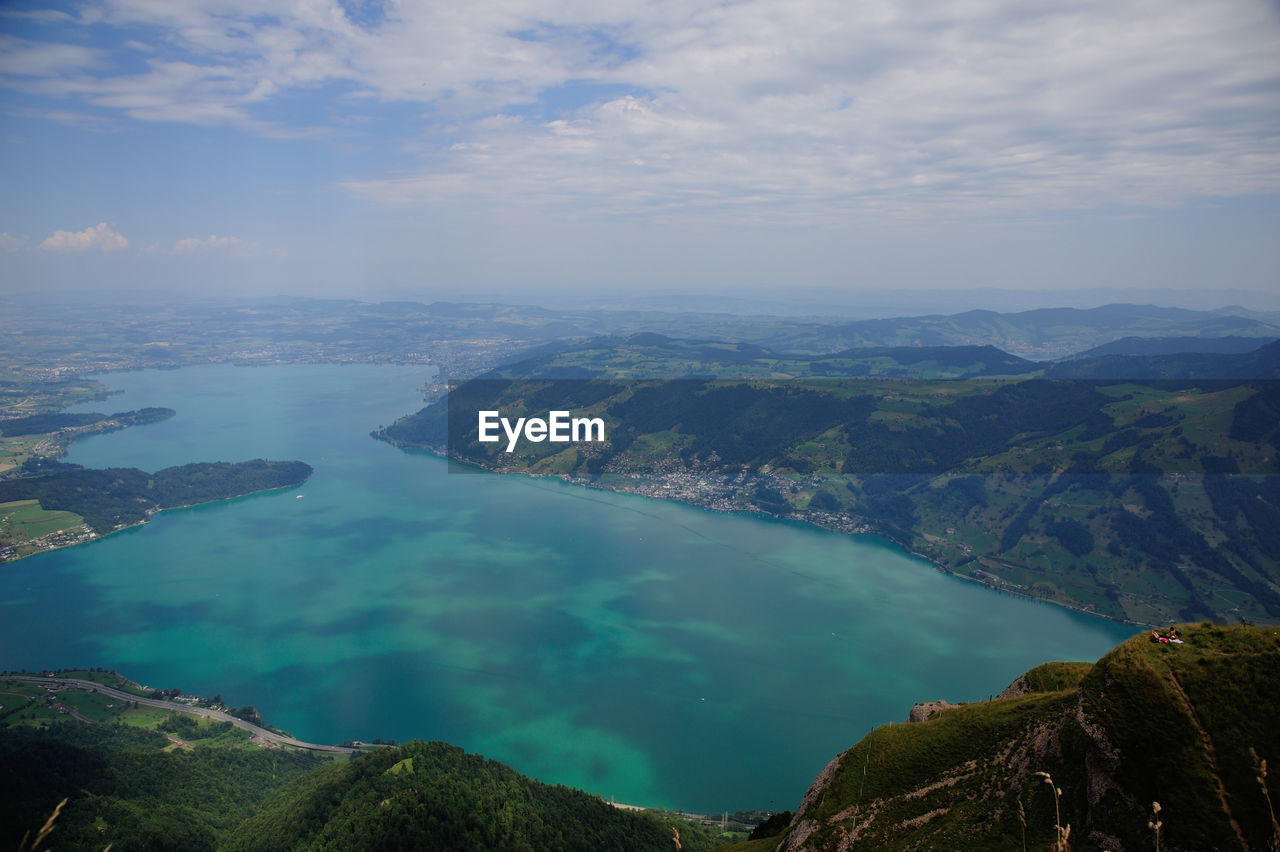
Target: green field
{"points": [[22, 396], [15, 451], [34, 706], [107, 678], [24, 520]]}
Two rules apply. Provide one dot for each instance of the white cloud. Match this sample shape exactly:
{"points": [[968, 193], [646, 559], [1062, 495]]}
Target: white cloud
{"points": [[806, 110], [9, 243], [99, 236], [23, 58], [192, 245], [83, 120], [779, 111], [43, 16]]}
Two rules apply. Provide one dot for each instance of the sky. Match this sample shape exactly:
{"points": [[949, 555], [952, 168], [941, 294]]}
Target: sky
{"points": [[608, 150]]}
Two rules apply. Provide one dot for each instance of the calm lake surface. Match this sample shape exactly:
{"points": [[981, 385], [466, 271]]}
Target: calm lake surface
{"points": [[648, 651]]}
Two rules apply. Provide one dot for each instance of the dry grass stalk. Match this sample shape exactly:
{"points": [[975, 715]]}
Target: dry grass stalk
{"points": [[1061, 833], [1155, 822], [44, 832], [1260, 766]]}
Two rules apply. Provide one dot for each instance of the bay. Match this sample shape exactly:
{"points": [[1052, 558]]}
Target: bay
{"points": [[647, 651]]}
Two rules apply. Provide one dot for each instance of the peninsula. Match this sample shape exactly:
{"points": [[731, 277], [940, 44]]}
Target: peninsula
{"points": [[91, 503]]}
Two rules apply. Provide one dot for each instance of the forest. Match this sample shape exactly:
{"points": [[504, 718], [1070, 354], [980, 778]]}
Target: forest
{"points": [[114, 497], [124, 789], [42, 424]]}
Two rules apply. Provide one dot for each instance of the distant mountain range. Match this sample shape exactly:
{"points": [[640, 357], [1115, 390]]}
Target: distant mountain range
{"points": [[651, 355], [1050, 333], [91, 334], [1176, 345], [1262, 362]]}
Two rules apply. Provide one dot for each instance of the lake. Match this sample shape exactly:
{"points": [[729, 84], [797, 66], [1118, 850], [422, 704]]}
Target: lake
{"points": [[653, 652]]}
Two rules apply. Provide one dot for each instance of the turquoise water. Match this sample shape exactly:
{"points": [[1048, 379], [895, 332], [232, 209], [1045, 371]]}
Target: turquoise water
{"points": [[649, 651]]}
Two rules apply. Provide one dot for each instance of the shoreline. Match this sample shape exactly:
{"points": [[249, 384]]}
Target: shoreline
{"points": [[857, 529], [265, 736], [62, 442], [94, 535], [277, 739]]}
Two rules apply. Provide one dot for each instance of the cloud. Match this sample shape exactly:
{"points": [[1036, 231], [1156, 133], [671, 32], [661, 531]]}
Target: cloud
{"points": [[44, 16], [100, 236], [192, 245], [23, 58], [9, 243], [803, 112], [82, 120]]}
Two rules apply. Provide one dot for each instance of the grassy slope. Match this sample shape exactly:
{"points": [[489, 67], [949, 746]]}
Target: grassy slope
{"points": [[1149, 722]]}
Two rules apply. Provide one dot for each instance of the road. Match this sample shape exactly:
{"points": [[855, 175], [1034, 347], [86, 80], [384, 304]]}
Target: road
{"points": [[218, 715]]}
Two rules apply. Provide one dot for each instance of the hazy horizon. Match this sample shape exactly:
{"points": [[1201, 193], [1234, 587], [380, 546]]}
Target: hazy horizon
{"points": [[799, 304]]}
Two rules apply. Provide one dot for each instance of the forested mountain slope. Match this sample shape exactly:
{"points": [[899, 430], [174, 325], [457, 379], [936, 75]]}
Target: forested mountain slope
{"points": [[1146, 499]]}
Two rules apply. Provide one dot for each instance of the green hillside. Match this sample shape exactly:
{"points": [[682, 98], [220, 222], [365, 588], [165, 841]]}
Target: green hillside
{"points": [[656, 356], [1147, 500], [1049, 332], [1150, 722], [127, 785], [114, 497], [126, 790], [140, 777], [436, 796]]}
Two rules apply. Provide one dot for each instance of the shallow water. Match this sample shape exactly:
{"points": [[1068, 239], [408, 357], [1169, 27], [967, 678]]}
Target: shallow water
{"points": [[649, 651]]}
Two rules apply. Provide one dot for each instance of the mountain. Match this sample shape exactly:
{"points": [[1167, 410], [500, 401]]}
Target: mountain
{"points": [[97, 334], [1174, 345], [1142, 499], [648, 355], [1185, 725], [1262, 362], [436, 796], [1049, 333]]}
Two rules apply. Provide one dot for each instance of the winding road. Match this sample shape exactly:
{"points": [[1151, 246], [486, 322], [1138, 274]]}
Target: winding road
{"points": [[90, 686]]}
